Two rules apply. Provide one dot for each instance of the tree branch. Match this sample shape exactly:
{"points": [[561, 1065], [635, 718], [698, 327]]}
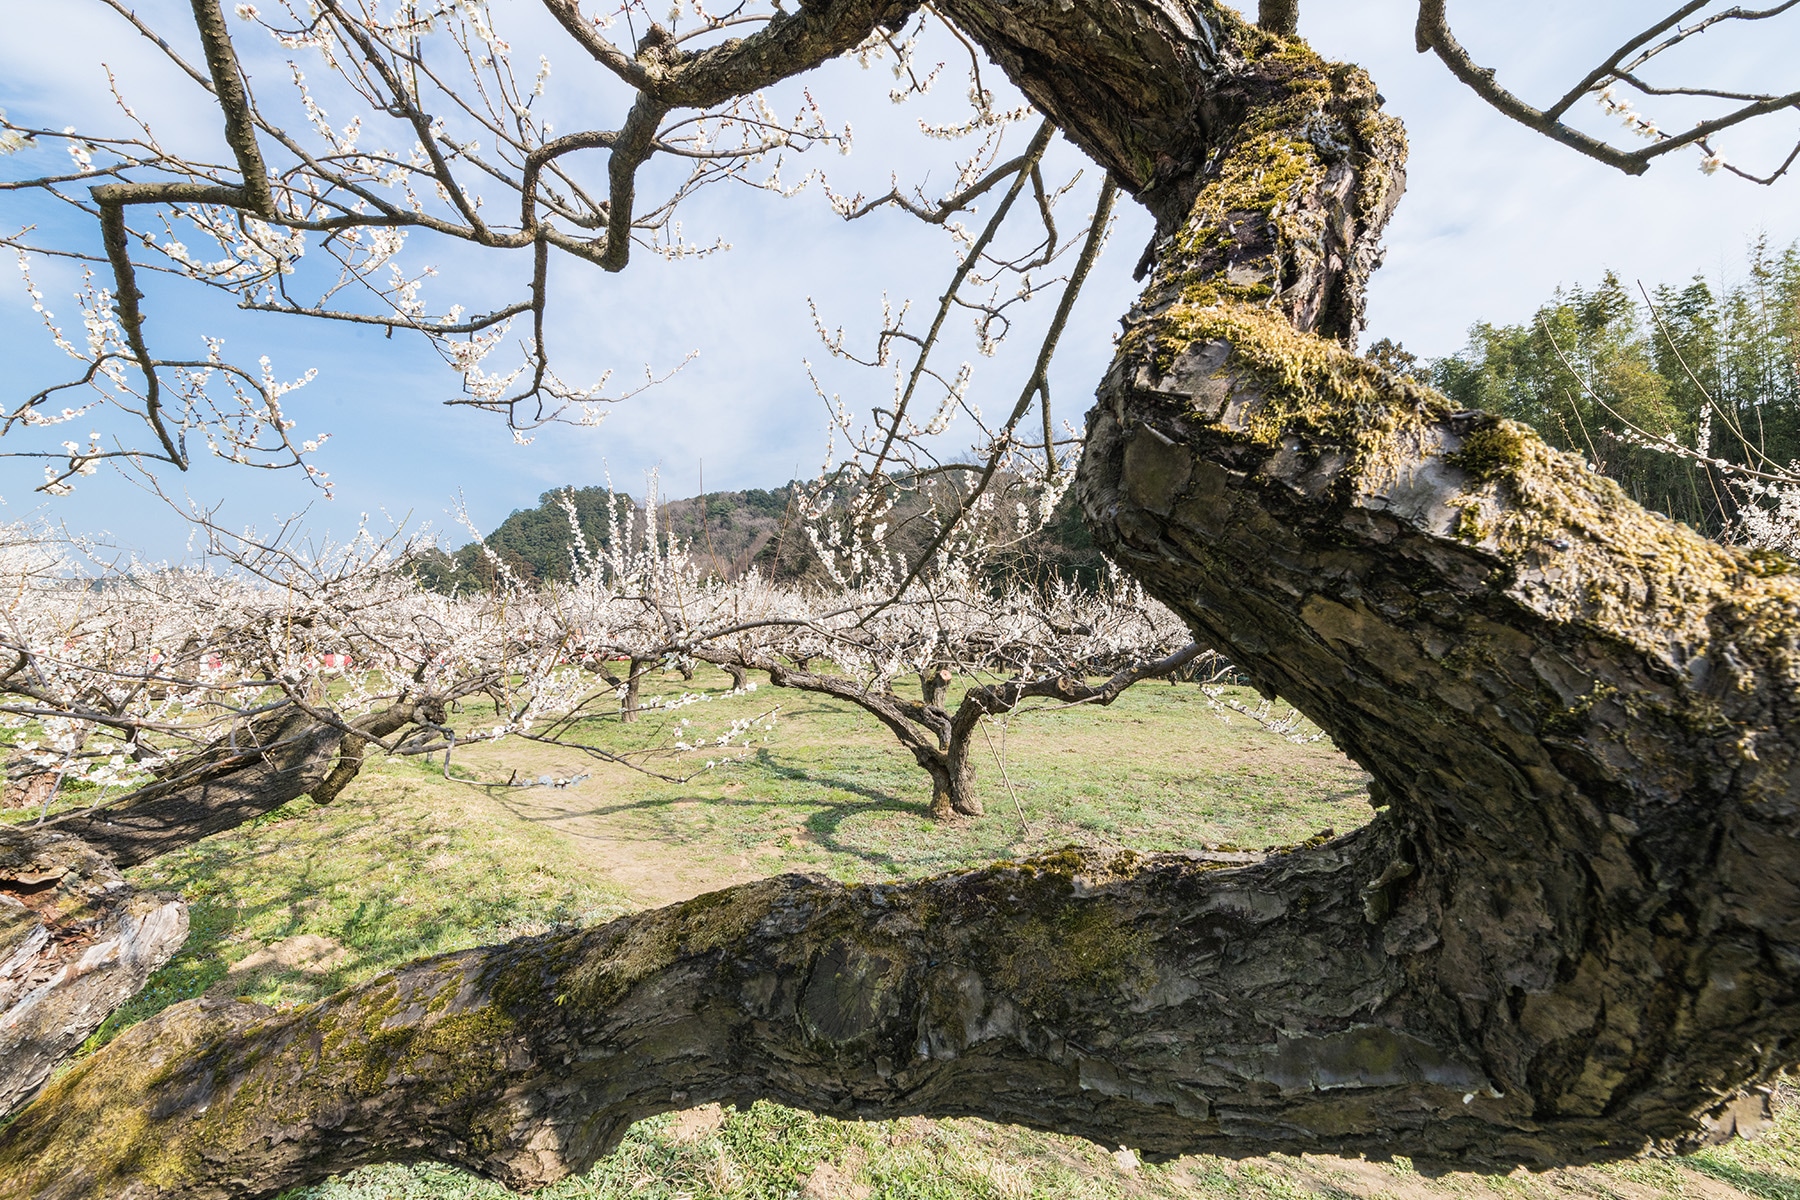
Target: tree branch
{"points": [[1278, 16], [1433, 33], [234, 105], [629, 150]]}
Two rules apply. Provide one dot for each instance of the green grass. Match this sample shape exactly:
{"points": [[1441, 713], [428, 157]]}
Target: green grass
{"points": [[772, 1153], [392, 875], [408, 862], [831, 791]]}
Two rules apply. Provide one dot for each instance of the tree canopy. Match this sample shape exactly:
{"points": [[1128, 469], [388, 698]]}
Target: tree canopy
{"points": [[1609, 371]]}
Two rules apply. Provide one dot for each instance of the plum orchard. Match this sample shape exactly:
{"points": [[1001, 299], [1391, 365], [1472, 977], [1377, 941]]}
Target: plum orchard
{"points": [[1572, 931], [183, 702]]}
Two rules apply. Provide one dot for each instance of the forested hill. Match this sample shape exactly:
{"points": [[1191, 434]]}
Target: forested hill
{"points": [[728, 533], [727, 530]]}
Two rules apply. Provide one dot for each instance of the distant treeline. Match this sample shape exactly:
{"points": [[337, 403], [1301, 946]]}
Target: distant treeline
{"points": [[728, 531], [1651, 366]]}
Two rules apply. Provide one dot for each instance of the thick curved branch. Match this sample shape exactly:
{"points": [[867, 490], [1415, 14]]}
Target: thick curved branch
{"points": [[629, 150], [1433, 34], [1278, 16], [791, 43], [528, 1061], [251, 771], [1571, 932], [1138, 86]]}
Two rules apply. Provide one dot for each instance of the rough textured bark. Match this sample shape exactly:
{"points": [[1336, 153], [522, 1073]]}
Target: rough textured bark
{"points": [[952, 774], [1571, 932], [29, 791], [1278, 16], [75, 942], [254, 770]]}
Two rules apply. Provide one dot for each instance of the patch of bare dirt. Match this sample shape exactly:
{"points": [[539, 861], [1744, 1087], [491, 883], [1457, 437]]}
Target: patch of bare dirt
{"points": [[832, 1181], [695, 1123], [653, 873], [307, 953]]}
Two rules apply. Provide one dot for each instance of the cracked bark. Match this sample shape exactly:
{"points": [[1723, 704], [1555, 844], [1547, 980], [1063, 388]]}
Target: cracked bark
{"points": [[76, 941], [1571, 932]]}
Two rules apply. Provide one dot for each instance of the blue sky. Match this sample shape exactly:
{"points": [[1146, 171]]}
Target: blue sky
{"points": [[1494, 219]]}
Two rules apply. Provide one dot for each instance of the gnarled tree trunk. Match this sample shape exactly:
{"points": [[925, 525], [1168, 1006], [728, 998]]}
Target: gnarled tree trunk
{"points": [[251, 771], [1571, 932], [76, 941], [952, 774]]}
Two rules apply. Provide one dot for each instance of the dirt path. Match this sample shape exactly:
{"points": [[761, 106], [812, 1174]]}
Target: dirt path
{"points": [[606, 835], [651, 871]]}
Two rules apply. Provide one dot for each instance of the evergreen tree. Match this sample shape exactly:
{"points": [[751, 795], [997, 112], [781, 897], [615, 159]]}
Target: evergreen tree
{"points": [[1603, 374]]}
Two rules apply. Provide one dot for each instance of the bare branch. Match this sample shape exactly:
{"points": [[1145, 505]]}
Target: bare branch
{"points": [[1432, 33], [234, 105]]}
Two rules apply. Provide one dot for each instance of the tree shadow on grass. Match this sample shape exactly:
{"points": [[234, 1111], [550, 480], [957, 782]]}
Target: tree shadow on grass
{"points": [[824, 824], [1766, 1184], [387, 917]]}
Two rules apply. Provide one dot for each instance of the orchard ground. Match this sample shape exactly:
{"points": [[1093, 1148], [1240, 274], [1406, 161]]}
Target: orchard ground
{"points": [[408, 862]]}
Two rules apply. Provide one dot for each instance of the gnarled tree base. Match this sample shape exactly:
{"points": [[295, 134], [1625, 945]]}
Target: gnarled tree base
{"points": [[76, 941]]}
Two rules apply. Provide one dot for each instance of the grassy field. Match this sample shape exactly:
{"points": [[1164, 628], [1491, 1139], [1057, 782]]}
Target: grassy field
{"points": [[409, 862]]}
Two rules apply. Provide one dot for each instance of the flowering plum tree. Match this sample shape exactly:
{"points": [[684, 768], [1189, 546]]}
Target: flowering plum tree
{"points": [[170, 704], [1570, 933], [644, 599], [1023, 641]]}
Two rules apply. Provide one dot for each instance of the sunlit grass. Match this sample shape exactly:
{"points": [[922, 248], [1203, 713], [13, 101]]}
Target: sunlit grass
{"points": [[408, 863]]}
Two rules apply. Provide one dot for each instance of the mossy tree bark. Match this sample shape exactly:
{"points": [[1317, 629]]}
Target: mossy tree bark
{"points": [[1571, 932]]}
